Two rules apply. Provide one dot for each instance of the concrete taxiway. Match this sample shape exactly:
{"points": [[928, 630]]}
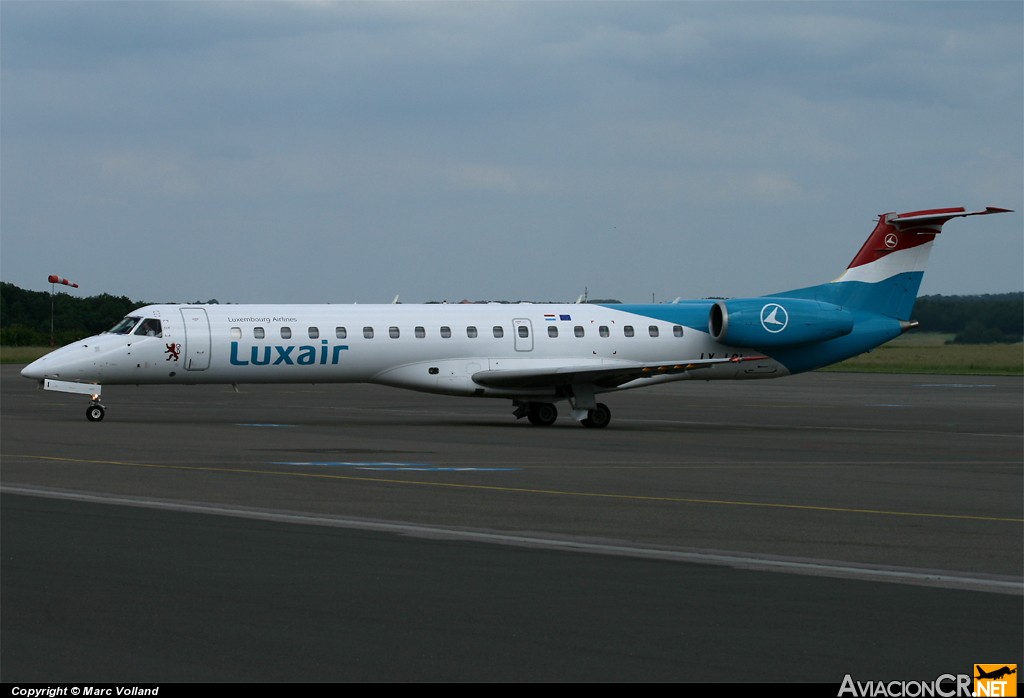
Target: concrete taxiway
{"points": [[796, 529]]}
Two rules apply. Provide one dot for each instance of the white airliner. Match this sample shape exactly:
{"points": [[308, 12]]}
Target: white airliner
{"points": [[535, 355]]}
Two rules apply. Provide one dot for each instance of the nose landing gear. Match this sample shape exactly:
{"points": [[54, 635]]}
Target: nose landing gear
{"points": [[95, 411]]}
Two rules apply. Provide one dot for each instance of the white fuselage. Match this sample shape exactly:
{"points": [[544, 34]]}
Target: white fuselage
{"points": [[433, 348], [535, 354]]}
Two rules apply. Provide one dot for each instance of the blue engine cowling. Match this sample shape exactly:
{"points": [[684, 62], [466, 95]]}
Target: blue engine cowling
{"points": [[776, 322]]}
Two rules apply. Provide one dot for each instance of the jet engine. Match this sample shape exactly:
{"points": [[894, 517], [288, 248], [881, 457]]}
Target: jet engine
{"points": [[776, 322]]}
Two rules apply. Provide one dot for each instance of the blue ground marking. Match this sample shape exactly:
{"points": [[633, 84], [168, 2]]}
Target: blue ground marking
{"points": [[264, 425], [389, 465]]}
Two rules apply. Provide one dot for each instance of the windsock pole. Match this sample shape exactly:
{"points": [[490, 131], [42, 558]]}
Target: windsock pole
{"points": [[54, 279]]}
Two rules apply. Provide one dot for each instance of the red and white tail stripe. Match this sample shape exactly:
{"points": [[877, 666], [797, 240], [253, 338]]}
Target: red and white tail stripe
{"points": [[901, 243]]}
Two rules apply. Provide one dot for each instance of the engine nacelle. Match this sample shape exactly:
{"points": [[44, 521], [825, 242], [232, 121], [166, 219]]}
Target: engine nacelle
{"points": [[776, 322]]}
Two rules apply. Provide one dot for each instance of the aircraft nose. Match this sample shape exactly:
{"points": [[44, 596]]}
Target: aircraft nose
{"points": [[34, 370]]}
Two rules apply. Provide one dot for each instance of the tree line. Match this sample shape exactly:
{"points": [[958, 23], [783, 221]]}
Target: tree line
{"points": [[25, 316], [984, 319]]}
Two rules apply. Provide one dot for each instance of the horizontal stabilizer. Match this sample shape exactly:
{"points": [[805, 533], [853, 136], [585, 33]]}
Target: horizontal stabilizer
{"points": [[938, 216]]}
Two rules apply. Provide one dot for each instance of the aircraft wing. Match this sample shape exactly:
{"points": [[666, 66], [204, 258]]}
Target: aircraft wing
{"points": [[598, 376]]}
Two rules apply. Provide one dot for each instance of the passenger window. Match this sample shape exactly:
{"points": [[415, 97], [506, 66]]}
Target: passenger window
{"points": [[653, 330], [314, 333], [628, 330], [603, 330], [150, 327], [498, 332], [236, 333], [367, 333], [471, 332], [524, 331], [286, 333], [259, 332], [552, 331], [393, 332], [578, 330], [420, 333], [446, 332], [340, 332], [677, 330]]}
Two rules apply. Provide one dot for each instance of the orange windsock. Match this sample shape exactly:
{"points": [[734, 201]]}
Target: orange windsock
{"points": [[54, 279]]}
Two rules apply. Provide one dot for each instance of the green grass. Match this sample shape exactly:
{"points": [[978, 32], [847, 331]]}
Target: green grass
{"points": [[927, 352], [22, 355], [914, 352]]}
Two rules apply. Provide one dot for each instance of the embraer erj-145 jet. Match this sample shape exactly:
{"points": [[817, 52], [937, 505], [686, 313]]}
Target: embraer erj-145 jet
{"points": [[535, 355]]}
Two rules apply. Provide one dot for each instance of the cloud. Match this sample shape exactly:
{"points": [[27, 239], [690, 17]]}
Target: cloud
{"points": [[149, 172], [556, 136]]}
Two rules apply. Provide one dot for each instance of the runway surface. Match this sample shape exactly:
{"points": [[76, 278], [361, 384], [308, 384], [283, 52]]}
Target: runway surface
{"points": [[788, 530]]}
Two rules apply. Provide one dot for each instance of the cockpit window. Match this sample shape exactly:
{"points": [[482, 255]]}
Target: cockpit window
{"points": [[150, 327], [125, 326]]}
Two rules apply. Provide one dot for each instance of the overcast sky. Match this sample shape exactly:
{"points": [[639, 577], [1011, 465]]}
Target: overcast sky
{"points": [[348, 152]]}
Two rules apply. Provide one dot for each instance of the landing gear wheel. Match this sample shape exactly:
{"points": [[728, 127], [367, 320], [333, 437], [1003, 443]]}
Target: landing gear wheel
{"points": [[541, 414], [94, 413], [598, 418]]}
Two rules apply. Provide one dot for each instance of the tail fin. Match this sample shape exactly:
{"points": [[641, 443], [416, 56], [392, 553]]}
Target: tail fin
{"points": [[886, 274]]}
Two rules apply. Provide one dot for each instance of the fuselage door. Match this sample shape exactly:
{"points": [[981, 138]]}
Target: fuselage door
{"points": [[197, 338], [523, 330]]}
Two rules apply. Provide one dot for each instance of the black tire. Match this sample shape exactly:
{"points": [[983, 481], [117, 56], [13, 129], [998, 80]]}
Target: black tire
{"points": [[94, 413], [542, 414], [598, 418]]}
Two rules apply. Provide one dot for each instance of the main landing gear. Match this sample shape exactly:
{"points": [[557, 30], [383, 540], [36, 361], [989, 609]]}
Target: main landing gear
{"points": [[544, 414], [541, 414], [598, 418]]}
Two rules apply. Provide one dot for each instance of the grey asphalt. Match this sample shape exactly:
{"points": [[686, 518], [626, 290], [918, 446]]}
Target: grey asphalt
{"points": [[786, 530]]}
